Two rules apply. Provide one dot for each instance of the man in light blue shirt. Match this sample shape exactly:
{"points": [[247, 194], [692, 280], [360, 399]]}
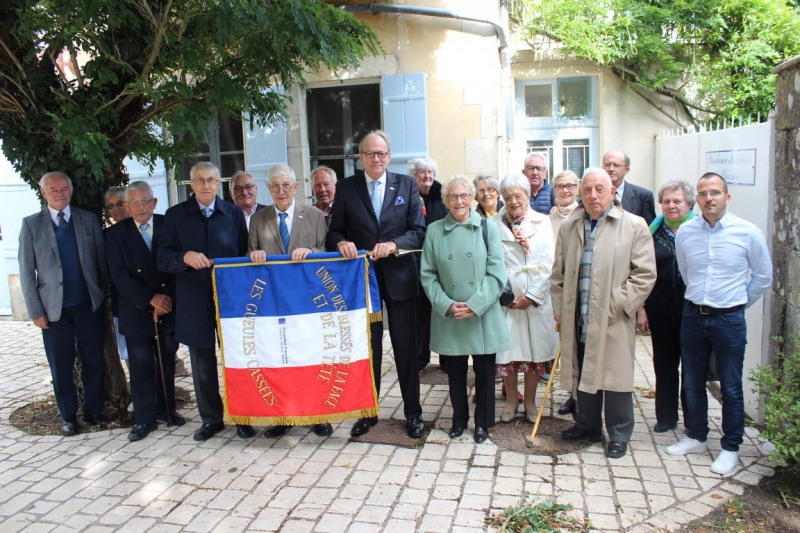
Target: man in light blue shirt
{"points": [[726, 266]]}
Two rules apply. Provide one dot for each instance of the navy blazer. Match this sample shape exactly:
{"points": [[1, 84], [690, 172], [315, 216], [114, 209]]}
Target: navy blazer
{"points": [[136, 278], [186, 229], [639, 201], [353, 219]]}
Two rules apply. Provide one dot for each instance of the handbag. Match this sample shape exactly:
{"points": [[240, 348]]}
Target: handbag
{"points": [[507, 296]]}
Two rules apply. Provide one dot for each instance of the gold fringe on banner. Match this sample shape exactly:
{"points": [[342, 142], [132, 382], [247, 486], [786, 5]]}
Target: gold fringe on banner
{"points": [[301, 420]]}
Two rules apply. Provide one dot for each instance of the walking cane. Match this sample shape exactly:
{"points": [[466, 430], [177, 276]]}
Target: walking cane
{"points": [[163, 379], [529, 442]]}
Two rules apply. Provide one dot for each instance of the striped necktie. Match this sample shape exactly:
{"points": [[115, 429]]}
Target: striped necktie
{"points": [[376, 199], [284, 229], [146, 236]]}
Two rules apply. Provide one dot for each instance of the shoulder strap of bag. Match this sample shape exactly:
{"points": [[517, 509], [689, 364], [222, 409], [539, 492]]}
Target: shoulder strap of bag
{"points": [[485, 232]]}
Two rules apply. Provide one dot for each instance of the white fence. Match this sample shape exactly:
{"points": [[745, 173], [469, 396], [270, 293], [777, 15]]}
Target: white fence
{"points": [[744, 155]]}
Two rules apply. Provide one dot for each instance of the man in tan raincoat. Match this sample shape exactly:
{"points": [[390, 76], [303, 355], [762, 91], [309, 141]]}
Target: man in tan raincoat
{"points": [[604, 270]]}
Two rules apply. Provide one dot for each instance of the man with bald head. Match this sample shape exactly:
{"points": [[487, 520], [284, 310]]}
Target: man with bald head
{"points": [[604, 270], [634, 199]]}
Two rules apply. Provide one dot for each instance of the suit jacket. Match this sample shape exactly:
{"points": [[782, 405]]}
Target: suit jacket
{"points": [[639, 201], [353, 219], [186, 229], [40, 265], [308, 230], [136, 278]]}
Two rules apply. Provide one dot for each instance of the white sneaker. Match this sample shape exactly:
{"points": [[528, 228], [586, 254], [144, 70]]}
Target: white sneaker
{"points": [[686, 445], [725, 462]]}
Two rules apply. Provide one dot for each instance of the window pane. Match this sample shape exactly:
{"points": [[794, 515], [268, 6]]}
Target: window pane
{"points": [[231, 137], [326, 124], [365, 112], [546, 147], [539, 101], [573, 99], [575, 153], [186, 165], [230, 163]]}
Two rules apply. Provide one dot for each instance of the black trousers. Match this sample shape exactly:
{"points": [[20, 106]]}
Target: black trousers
{"points": [[206, 384], [669, 378], [423, 329], [59, 346], [483, 365], [147, 382], [401, 315]]}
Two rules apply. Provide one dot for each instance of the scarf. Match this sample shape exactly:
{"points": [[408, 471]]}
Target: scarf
{"points": [[585, 271], [565, 211], [673, 225], [515, 229]]}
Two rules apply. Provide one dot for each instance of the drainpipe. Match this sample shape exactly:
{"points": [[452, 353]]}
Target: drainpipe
{"points": [[500, 31]]}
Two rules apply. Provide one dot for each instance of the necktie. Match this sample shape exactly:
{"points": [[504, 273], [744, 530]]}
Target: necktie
{"points": [[62, 220], [207, 210], [146, 236], [376, 199], [284, 229]]}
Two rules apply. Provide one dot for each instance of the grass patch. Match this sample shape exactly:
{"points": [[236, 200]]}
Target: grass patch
{"points": [[546, 516]]}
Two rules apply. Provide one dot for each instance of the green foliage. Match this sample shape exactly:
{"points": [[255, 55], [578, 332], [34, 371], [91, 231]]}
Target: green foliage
{"points": [[546, 516], [712, 58], [779, 384], [143, 64]]}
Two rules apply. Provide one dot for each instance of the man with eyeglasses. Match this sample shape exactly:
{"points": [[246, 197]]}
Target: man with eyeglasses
{"points": [[380, 210], [543, 198], [195, 232], [725, 263], [244, 192], [634, 199], [145, 303], [323, 182], [287, 227]]}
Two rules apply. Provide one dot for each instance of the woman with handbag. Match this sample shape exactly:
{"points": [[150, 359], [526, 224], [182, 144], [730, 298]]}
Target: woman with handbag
{"points": [[528, 251], [463, 276]]}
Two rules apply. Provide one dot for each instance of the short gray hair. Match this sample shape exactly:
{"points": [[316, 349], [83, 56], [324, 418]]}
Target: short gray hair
{"points": [[281, 170], [458, 179], [677, 185], [594, 170], [43, 180], [138, 186], [488, 179], [422, 163], [239, 174], [201, 165], [514, 180], [113, 192], [541, 155], [379, 133]]}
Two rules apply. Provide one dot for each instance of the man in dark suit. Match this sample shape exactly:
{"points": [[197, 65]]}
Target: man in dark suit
{"points": [[64, 277], [287, 227], [145, 302], [244, 193], [380, 211], [634, 199], [195, 231]]}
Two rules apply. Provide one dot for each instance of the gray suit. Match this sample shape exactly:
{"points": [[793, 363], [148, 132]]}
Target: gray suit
{"points": [[42, 275], [308, 230]]}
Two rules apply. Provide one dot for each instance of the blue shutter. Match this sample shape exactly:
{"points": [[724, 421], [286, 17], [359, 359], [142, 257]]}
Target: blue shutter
{"points": [[405, 117], [264, 146]]}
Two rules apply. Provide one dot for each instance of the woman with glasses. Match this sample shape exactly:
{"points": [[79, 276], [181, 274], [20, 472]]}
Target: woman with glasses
{"points": [[663, 309], [528, 251], [463, 276], [487, 196]]}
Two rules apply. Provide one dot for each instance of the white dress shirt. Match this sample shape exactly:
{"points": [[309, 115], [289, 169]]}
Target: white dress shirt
{"points": [[54, 214], [289, 216], [715, 262]]}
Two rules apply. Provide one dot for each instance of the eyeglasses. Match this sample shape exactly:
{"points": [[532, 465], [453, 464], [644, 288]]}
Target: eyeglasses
{"points": [[144, 202], [372, 155], [116, 205], [484, 192], [535, 168], [613, 165], [565, 186], [240, 188], [712, 194], [462, 197], [203, 181], [518, 198], [286, 187]]}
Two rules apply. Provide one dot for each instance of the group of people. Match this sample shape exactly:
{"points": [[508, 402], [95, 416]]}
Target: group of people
{"points": [[581, 262]]}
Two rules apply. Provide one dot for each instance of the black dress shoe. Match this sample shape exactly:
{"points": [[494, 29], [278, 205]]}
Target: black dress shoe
{"points": [[575, 433], [275, 432], [616, 449], [98, 420], [415, 428], [362, 425], [245, 431], [174, 419], [69, 429], [567, 408], [456, 432], [207, 431], [481, 435], [140, 431], [322, 430], [663, 427]]}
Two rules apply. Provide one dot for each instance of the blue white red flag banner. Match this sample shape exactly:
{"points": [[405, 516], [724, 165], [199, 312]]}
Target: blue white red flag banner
{"points": [[295, 338]]}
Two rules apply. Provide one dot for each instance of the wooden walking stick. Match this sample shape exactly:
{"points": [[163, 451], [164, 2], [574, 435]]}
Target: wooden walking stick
{"points": [[529, 442]]}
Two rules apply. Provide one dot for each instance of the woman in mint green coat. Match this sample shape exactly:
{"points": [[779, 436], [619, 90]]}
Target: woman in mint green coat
{"points": [[463, 280]]}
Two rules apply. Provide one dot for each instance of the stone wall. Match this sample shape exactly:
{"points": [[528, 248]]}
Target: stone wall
{"points": [[785, 312]]}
